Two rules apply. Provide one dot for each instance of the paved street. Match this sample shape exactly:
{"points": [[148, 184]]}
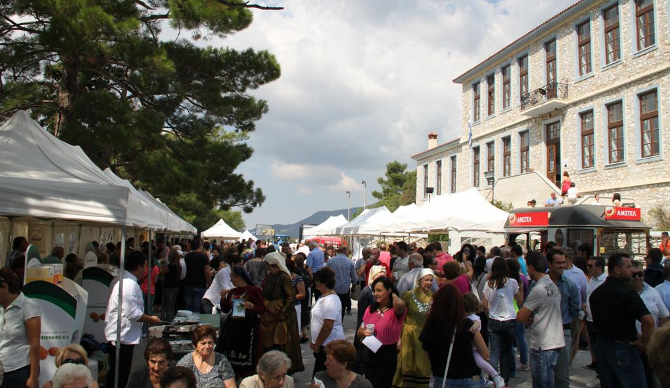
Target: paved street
{"points": [[580, 377]]}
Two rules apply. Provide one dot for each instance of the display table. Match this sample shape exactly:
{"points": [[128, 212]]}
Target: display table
{"points": [[180, 330]]}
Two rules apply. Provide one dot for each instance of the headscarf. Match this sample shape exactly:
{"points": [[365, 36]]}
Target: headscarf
{"points": [[276, 258], [423, 272], [374, 270], [241, 272]]}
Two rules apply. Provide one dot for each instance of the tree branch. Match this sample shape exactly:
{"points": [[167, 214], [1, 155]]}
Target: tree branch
{"points": [[247, 5]]}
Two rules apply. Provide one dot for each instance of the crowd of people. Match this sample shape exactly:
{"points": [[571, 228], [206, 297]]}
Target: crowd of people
{"points": [[425, 318]]}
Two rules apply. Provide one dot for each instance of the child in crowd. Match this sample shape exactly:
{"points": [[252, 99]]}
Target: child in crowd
{"points": [[472, 308]]}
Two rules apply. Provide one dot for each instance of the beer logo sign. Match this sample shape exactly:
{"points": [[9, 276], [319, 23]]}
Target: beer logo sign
{"points": [[609, 211], [512, 218], [623, 213]]}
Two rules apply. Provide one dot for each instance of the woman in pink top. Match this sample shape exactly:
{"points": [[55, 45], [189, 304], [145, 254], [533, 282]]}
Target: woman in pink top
{"points": [[387, 314], [452, 272]]}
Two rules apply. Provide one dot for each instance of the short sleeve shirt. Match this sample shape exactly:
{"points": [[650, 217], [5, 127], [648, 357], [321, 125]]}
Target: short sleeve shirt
{"points": [[652, 299], [327, 307], [388, 325], [195, 269], [221, 371], [544, 300], [14, 348], [501, 300]]}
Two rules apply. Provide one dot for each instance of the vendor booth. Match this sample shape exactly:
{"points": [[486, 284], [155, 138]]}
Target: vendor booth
{"points": [[223, 231], [606, 229]]}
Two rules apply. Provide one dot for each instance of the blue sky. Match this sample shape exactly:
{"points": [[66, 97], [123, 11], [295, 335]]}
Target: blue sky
{"points": [[363, 83]]}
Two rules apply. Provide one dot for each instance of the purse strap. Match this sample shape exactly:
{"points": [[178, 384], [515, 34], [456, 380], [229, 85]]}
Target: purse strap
{"points": [[446, 368]]}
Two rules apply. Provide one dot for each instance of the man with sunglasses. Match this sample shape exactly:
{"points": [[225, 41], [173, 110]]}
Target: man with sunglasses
{"points": [[616, 307]]}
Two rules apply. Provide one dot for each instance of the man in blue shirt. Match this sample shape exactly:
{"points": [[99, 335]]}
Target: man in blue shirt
{"points": [[315, 261], [345, 277], [579, 278], [664, 288], [570, 306], [516, 253]]}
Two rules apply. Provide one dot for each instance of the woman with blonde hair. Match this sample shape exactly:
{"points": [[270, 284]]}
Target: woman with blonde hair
{"points": [[71, 354]]}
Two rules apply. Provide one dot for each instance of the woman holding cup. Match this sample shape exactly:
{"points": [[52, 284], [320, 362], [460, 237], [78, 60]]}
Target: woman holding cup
{"points": [[383, 320]]}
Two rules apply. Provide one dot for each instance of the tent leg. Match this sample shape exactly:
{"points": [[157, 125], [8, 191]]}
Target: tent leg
{"points": [[117, 356]]}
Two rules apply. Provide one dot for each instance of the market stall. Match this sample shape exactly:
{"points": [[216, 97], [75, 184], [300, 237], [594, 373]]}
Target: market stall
{"points": [[223, 231]]}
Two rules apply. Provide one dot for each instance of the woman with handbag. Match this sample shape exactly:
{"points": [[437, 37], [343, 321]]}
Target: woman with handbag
{"points": [[447, 328]]}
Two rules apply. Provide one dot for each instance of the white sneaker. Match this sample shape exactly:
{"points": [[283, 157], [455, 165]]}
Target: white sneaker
{"points": [[499, 381]]}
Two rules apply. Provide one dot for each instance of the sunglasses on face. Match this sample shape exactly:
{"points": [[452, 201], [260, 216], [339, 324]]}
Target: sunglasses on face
{"points": [[638, 274], [76, 361]]}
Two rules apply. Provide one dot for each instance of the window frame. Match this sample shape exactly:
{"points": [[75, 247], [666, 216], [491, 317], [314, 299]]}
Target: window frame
{"points": [[523, 76], [491, 156], [616, 26], [476, 165], [425, 180], [621, 141], [584, 40], [476, 101], [490, 95], [551, 59], [649, 116], [506, 86], [507, 156], [650, 25], [438, 177], [590, 133], [524, 151], [453, 173]]}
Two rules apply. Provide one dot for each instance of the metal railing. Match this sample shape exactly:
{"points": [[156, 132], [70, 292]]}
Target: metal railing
{"points": [[548, 92]]}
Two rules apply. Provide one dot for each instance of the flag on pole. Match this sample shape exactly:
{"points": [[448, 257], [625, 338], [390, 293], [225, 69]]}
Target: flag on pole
{"points": [[470, 135]]}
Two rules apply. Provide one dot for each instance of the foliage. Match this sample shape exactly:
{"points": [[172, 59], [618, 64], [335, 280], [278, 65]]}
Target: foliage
{"points": [[505, 206], [168, 115], [398, 187], [438, 237], [661, 217]]}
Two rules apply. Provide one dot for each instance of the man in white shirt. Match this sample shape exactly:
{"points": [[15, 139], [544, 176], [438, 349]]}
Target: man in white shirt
{"points": [[132, 317], [596, 268]]}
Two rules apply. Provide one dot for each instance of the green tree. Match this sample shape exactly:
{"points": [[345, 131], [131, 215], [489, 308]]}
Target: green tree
{"points": [[168, 115], [398, 187]]}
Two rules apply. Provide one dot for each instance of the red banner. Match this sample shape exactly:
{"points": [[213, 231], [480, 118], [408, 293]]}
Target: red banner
{"points": [[623, 213], [529, 219]]}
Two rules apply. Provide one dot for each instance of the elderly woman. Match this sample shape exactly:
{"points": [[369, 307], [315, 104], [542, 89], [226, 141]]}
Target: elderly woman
{"points": [[279, 330], [383, 319], [158, 355], [241, 328], [326, 317], [71, 354], [178, 377], [341, 358], [271, 372], [19, 334], [211, 369], [72, 376], [413, 362]]}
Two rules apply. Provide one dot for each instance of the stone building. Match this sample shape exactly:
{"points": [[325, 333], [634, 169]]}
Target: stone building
{"points": [[586, 92]]}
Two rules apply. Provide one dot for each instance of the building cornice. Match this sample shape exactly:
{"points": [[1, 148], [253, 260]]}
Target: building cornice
{"points": [[438, 149]]}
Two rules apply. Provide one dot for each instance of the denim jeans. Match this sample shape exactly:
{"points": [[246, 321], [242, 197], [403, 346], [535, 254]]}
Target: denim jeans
{"points": [[521, 344], [542, 364], [501, 337], [562, 370], [619, 365], [474, 382], [193, 296]]}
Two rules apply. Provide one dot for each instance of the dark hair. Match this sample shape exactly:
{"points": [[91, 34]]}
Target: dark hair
{"points": [[616, 196], [402, 245], [290, 265], [498, 273], [446, 315], [343, 352], [234, 259], [458, 257], [17, 242], [195, 243], [325, 276], [178, 373], [552, 253], [655, 255], [430, 247], [513, 267], [615, 260], [452, 269], [550, 245], [428, 261], [299, 259], [581, 263], [481, 249], [206, 245], [11, 279], [158, 345], [537, 261], [134, 260], [473, 252], [270, 249], [585, 248], [516, 248], [437, 245], [201, 332], [479, 267], [110, 246], [388, 284], [471, 302], [599, 261], [496, 251], [666, 270], [242, 273], [260, 252]]}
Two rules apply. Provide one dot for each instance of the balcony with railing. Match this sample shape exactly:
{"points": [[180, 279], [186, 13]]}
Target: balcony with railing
{"points": [[543, 100]]}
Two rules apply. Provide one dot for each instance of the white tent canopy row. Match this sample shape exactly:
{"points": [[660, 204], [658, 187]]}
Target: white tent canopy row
{"points": [[366, 224], [44, 177], [463, 211], [222, 230], [246, 235], [327, 227]]}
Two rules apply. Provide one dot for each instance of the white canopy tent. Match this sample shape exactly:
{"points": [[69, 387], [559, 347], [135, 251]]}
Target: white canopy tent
{"points": [[246, 235], [327, 227], [222, 230], [366, 224]]}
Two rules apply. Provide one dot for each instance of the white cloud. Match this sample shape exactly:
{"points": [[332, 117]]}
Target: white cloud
{"points": [[346, 183], [305, 190]]}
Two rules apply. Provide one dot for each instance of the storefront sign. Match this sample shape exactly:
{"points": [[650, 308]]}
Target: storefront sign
{"points": [[623, 213], [529, 219]]}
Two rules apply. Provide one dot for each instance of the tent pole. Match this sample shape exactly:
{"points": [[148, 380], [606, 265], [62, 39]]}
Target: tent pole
{"points": [[149, 284], [117, 356]]}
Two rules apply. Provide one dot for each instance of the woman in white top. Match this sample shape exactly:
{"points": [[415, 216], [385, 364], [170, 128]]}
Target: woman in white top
{"points": [[326, 322], [19, 334], [499, 295]]}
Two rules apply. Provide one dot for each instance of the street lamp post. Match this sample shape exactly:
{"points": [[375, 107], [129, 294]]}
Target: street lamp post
{"points": [[349, 206], [491, 179], [365, 191]]}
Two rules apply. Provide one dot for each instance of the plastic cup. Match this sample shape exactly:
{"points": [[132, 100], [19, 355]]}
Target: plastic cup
{"points": [[370, 328]]}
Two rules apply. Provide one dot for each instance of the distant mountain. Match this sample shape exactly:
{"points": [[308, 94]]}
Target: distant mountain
{"points": [[293, 230]]}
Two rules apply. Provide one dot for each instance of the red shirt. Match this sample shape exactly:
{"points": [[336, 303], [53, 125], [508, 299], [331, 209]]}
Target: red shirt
{"points": [[385, 257], [369, 265], [667, 248], [462, 283], [442, 259], [145, 279]]}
